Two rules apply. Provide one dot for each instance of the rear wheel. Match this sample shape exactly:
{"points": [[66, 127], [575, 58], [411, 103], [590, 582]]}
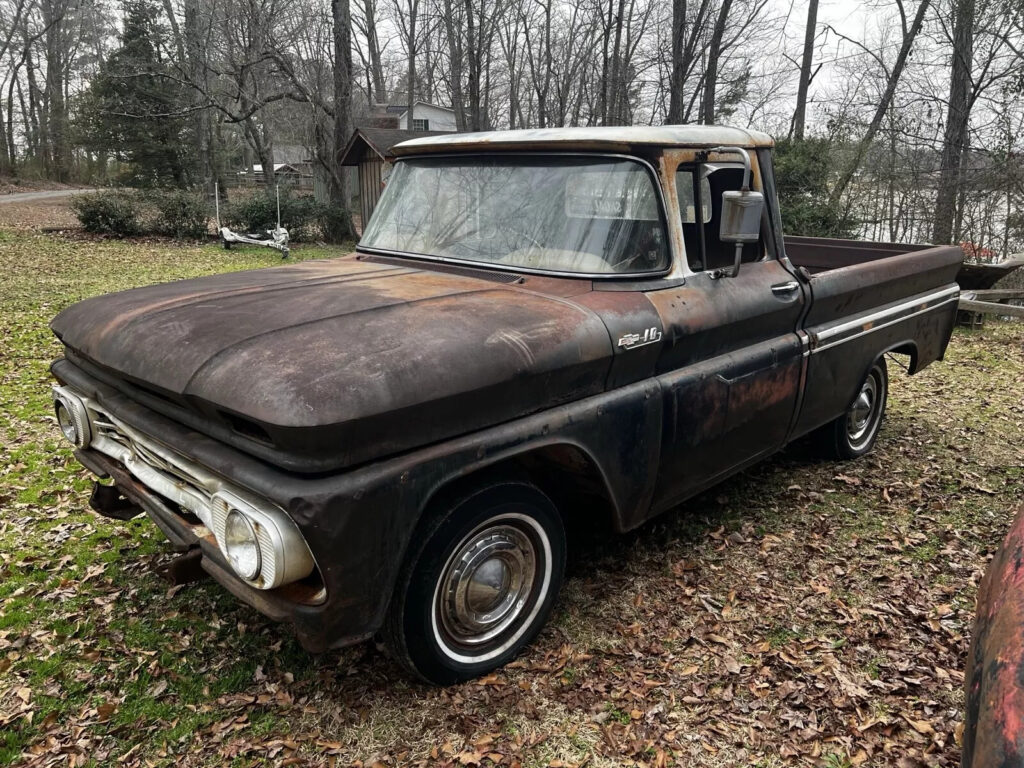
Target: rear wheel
{"points": [[854, 433], [479, 586]]}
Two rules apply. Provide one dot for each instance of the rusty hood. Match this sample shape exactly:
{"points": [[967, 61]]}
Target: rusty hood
{"points": [[325, 364]]}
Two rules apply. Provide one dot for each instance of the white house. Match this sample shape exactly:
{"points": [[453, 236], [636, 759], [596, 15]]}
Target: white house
{"points": [[425, 116]]}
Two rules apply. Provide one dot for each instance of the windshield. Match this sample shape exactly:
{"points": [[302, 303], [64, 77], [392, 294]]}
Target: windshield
{"points": [[566, 214]]}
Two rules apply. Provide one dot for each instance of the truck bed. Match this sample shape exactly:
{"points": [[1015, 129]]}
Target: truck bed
{"points": [[820, 254], [867, 297]]}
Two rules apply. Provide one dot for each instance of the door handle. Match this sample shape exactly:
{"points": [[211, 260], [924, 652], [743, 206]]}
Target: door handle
{"points": [[781, 289]]}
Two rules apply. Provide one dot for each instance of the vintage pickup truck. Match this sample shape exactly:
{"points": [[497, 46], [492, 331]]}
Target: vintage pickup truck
{"points": [[538, 327]]}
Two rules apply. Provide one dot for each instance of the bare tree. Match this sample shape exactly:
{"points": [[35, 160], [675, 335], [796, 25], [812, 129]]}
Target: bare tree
{"points": [[806, 65], [892, 80], [407, 16], [366, 22], [958, 117], [714, 53]]}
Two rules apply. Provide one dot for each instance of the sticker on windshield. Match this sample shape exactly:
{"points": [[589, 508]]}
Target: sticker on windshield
{"points": [[634, 340], [611, 195]]}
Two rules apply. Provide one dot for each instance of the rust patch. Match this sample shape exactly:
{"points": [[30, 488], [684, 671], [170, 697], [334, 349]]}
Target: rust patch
{"points": [[994, 681]]}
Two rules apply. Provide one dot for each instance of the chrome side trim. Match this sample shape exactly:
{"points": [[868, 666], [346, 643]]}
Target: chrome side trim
{"points": [[883, 318]]}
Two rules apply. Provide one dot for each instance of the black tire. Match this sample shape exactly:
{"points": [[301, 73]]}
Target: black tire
{"points": [[472, 551], [854, 433]]}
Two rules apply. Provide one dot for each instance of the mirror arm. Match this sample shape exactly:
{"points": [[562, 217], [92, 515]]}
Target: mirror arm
{"points": [[715, 274], [745, 188], [746, 162]]}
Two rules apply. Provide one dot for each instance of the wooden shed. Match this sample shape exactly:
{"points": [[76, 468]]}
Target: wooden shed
{"points": [[370, 150]]}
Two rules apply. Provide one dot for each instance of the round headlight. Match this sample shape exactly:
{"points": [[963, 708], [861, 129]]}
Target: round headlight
{"points": [[241, 545], [66, 422]]}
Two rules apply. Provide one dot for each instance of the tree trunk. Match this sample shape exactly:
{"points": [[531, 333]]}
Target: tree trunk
{"points": [[58, 158], [714, 52], [883, 105], [380, 94], [37, 137], [800, 113], [455, 58], [676, 79], [5, 158], [684, 47], [472, 45], [338, 227], [410, 79], [958, 117], [605, 63], [542, 99], [194, 60]]}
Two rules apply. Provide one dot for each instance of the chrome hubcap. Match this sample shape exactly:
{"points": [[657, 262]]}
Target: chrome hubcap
{"points": [[860, 419], [486, 584]]}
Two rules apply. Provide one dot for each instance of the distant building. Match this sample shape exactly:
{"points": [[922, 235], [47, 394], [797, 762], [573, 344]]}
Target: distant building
{"points": [[370, 150], [293, 164], [425, 117]]}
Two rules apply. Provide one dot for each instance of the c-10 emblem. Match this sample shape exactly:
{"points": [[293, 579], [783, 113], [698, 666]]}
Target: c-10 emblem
{"points": [[633, 340]]}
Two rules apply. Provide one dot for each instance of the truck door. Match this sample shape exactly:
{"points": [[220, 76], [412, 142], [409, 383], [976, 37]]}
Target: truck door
{"points": [[730, 365]]}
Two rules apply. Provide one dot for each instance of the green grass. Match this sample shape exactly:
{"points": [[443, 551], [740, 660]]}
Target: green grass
{"points": [[79, 628]]}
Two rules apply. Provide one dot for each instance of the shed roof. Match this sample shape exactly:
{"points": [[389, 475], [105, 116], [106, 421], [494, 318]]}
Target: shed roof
{"points": [[379, 141], [609, 138]]}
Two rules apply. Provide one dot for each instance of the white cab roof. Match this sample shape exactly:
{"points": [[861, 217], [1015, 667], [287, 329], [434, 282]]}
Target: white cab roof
{"points": [[607, 138]]}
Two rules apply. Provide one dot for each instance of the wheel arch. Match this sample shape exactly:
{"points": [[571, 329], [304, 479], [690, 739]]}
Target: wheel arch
{"points": [[907, 347], [564, 470]]}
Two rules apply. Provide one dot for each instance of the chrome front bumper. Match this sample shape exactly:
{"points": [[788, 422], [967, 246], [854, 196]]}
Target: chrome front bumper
{"points": [[285, 556]]}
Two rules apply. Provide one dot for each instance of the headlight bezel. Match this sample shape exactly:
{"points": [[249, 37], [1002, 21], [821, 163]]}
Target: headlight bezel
{"points": [[251, 540], [284, 554], [77, 417]]}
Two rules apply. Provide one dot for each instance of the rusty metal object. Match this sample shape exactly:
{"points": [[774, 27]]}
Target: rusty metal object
{"points": [[322, 365], [980, 277], [185, 568], [994, 681], [350, 393], [109, 502], [991, 302]]}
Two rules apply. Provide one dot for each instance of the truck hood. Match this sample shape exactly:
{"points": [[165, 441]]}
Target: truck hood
{"points": [[325, 364]]}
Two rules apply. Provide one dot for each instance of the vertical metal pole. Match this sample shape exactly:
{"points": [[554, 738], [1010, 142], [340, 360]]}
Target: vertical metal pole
{"points": [[277, 189], [216, 202]]}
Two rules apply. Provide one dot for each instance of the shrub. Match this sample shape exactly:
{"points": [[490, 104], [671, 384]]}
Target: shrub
{"points": [[300, 214], [175, 213], [178, 213], [802, 171], [107, 213], [335, 223]]}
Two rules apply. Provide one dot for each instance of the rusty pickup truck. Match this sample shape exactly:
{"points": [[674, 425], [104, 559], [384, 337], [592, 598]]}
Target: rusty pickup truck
{"points": [[537, 327]]}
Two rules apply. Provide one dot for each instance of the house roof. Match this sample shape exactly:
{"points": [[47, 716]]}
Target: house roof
{"points": [[291, 154], [380, 141], [401, 107], [609, 138], [258, 168]]}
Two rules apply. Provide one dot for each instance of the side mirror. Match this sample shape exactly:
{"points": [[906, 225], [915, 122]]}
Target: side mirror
{"points": [[741, 223], [741, 216]]}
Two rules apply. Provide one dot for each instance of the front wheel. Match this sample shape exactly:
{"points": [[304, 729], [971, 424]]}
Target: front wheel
{"points": [[479, 585], [854, 433]]}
